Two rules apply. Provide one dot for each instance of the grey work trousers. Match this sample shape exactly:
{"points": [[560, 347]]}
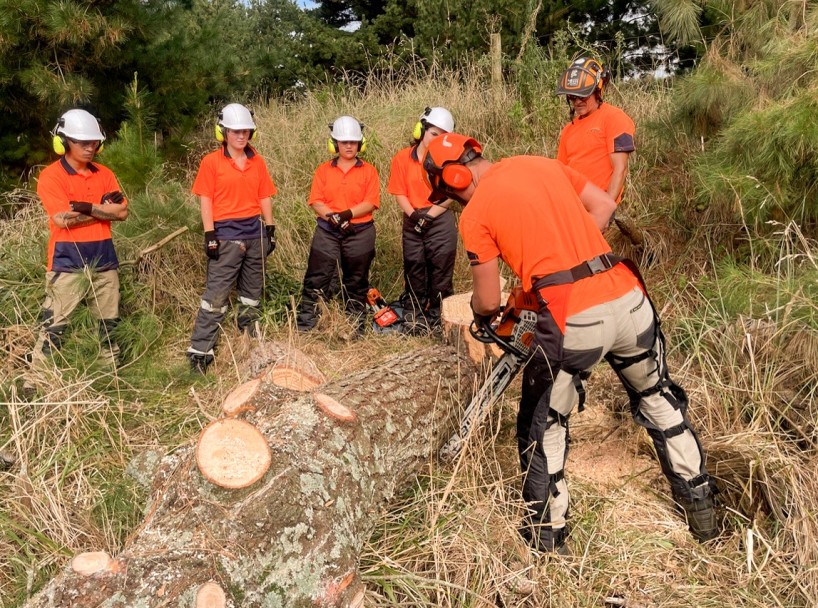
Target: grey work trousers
{"points": [[240, 263], [428, 263]]}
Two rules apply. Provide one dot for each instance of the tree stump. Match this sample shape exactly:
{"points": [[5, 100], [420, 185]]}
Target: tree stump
{"points": [[291, 538]]}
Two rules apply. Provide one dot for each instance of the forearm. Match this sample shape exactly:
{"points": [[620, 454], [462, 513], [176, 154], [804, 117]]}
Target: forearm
{"points": [[321, 209], [206, 209], [362, 209], [266, 205], [70, 219], [438, 210], [110, 212], [404, 204]]}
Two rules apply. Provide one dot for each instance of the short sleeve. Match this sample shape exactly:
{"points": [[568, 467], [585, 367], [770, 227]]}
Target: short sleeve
{"points": [[205, 182], [620, 132], [479, 245], [577, 180], [373, 188]]}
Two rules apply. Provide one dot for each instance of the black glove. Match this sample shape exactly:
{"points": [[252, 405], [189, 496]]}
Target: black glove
{"points": [[340, 221], [211, 245], [115, 197], [423, 224], [481, 320], [270, 243], [81, 207]]}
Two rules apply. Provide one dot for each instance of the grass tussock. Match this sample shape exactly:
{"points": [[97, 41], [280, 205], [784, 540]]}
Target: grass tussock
{"points": [[739, 312]]}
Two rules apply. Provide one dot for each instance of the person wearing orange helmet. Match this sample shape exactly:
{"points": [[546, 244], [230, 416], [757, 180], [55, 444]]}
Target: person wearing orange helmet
{"points": [[599, 139], [81, 198], [429, 234], [545, 221]]}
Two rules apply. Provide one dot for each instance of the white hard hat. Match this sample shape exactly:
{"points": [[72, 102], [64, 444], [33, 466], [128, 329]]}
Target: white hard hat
{"points": [[440, 118], [79, 125], [236, 117], [346, 128]]}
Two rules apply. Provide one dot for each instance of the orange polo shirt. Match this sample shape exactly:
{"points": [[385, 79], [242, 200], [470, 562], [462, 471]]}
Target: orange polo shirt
{"points": [[527, 211], [341, 191], [70, 249], [407, 178], [586, 143], [235, 191]]}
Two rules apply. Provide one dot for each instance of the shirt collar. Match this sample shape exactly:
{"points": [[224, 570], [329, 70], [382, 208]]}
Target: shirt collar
{"points": [[414, 153], [248, 150], [358, 162], [71, 171]]}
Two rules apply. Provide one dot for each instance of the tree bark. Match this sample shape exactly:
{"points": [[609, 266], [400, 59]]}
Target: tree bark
{"points": [[292, 538]]}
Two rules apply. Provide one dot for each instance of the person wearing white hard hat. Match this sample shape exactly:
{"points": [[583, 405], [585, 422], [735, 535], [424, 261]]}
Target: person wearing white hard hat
{"points": [[81, 198], [345, 191], [429, 232], [235, 193]]}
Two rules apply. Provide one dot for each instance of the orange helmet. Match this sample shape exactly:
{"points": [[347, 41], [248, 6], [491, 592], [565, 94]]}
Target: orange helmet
{"points": [[444, 165], [584, 76]]}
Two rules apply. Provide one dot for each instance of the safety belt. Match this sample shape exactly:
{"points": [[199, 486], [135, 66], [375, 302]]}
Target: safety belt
{"points": [[600, 263]]}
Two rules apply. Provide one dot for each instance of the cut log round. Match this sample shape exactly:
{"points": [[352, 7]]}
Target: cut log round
{"points": [[293, 378], [457, 316], [210, 595], [240, 397], [232, 453], [333, 409], [293, 537], [90, 562]]}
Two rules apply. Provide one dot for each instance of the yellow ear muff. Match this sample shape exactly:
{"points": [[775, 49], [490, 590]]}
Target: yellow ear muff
{"points": [[219, 133], [418, 131], [253, 133], [331, 147], [58, 143], [362, 147]]}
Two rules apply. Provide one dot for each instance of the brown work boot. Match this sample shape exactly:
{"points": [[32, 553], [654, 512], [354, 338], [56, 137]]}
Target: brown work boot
{"points": [[701, 518]]}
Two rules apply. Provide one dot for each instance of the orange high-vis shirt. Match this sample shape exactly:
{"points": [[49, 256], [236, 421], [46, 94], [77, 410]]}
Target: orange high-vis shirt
{"points": [[527, 211], [70, 249], [235, 191], [406, 178], [586, 143], [341, 191]]}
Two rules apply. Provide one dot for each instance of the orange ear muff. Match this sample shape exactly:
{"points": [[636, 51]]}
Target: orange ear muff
{"points": [[456, 176]]}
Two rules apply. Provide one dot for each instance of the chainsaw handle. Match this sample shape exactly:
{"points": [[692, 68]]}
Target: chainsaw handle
{"points": [[487, 335]]}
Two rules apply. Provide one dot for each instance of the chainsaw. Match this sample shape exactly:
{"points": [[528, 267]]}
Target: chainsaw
{"points": [[514, 334], [383, 314]]}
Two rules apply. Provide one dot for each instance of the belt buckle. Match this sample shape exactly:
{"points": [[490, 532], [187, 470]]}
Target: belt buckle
{"points": [[597, 265]]}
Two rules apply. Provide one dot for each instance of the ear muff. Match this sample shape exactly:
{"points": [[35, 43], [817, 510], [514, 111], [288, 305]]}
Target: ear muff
{"points": [[219, 134], [419, 131], [456, 176], [332, 146]]}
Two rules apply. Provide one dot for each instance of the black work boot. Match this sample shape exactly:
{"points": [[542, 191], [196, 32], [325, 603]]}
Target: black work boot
{"points": [[701, 518], [199, 363]]}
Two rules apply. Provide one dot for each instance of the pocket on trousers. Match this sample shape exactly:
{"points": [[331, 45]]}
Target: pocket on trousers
{"points": [[583, 344]]}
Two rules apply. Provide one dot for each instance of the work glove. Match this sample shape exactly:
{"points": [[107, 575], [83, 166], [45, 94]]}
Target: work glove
{"points": [[340, 221], [211, 245], [481, 320], [115, 198], [270, 242], [423, 224], [80, 207]]}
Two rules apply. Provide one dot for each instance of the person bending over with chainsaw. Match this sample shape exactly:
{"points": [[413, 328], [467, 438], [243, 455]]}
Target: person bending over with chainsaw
{"points": [[345, 191], [544, 220], [429, 231], [81, 198], [235, 193], [599, 139]]}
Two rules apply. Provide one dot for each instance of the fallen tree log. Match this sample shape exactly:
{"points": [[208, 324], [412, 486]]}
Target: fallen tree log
{"points": [[338, 453]]}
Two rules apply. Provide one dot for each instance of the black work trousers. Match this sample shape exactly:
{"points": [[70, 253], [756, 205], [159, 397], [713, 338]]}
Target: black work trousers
{"points": [[428, 263], [330, 251], [241, 262]]}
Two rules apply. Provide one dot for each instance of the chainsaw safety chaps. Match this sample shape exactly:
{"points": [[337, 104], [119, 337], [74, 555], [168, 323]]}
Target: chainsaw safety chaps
{"points": [[626, 332], [329, 251], [428, 263], [240, 263]]}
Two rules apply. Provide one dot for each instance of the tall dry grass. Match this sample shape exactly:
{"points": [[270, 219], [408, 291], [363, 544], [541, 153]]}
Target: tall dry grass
{"points": [[451, 540]]}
